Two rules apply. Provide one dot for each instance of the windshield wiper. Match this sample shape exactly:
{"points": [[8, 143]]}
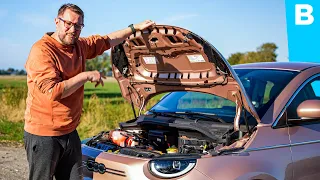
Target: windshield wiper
{"points": [[167, 114], [202, 115], [225, 151]]}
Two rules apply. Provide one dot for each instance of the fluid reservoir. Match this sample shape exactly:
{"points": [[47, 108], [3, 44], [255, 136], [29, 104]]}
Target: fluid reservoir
{"points": [[119, 137]]}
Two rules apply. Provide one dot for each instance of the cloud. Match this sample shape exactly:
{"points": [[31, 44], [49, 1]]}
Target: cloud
{"points": [[177, 18], [3, 13], [36, 20]]}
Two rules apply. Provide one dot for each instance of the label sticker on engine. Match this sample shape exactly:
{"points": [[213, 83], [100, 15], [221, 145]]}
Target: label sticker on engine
{"points": [[150, 60], [196, 58]]}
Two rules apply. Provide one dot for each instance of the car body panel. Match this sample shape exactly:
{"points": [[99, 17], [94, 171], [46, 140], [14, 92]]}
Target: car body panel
{"points": [[168, 58], [305, 141], [127, 167], [276, 145], [272, 152], [257, 159]]}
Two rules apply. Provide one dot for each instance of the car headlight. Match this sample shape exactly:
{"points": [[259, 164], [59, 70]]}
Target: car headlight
{"points": [[171, 168]]}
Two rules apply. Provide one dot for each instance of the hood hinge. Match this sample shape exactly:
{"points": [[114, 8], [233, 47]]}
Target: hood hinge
{"points": [[132, 105], [239, 106], [142, 105]]}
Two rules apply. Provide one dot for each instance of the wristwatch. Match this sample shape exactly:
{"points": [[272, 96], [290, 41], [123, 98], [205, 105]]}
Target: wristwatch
{"points": [[132, 28]]}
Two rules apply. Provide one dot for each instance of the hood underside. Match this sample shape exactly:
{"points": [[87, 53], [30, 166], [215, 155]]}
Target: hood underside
{"points": [[165, 59]]}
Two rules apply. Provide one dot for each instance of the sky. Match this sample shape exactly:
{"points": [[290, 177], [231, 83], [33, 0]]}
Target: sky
{"points": [[230, 25]]}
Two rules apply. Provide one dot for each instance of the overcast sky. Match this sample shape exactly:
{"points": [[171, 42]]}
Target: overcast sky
{"points": [[230, 25]]}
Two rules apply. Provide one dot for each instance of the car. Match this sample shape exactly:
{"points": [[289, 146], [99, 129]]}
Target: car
{"points": [[214, 120]]}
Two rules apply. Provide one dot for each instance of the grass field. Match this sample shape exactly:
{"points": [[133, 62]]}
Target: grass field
{"points": [[103, 108]]}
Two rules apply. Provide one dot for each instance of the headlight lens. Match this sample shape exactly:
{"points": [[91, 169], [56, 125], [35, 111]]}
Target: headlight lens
{"points": [[171, 168]]}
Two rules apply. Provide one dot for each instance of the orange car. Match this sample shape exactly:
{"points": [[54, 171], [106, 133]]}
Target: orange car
{"points": [[251, 121]]}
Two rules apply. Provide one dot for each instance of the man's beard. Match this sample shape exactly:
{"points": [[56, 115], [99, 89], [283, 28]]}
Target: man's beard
{"points": [[66, 39]]}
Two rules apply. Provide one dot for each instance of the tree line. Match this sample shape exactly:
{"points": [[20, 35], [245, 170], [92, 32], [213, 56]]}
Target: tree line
{"points": [[264, 53], [12, 71]]}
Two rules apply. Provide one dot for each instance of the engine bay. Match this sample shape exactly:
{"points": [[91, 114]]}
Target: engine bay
{"points": [[148, 138]]}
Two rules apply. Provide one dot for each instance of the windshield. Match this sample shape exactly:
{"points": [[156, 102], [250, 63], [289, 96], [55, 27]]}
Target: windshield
{"points": [[262, 86]]}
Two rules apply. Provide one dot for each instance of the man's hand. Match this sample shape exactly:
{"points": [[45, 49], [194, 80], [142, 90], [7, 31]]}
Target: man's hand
{"points": [[74, 83], [95, 76], [143, 25], [117, 37]]}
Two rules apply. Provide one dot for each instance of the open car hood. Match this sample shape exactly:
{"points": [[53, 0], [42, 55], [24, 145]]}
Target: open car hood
{"points": [[167, 58]]}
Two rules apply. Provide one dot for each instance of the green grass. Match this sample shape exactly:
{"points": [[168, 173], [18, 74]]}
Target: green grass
{"points": [[12, 81], [109, 90], [11, 131], [103, 108]]}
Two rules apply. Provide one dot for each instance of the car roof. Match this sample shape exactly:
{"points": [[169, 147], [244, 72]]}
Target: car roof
{"points": [[290, 66]]}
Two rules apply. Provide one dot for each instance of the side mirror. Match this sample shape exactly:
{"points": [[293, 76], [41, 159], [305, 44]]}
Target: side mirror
{"points": [[309, 110]]}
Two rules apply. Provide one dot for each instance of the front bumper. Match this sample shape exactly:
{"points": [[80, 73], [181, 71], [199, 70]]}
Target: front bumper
{"points": [[98, 164]]}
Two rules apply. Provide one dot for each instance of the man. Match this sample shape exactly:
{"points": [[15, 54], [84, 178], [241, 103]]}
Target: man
{"points": [[56, 75]]}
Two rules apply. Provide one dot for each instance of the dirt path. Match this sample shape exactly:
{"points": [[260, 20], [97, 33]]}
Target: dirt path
{"points": [[13, 162]]}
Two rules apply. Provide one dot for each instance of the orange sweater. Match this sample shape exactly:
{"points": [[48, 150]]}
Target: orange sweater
{"points": [[48, 65]]}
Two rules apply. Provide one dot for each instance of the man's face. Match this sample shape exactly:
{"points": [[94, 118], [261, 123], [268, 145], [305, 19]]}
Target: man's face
{"points": [[65, 28]]}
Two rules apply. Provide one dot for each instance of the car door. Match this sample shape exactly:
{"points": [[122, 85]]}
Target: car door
{"points": [[305, 136]]}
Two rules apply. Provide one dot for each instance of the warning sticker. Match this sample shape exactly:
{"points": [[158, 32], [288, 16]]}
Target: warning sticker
{"points": [[150, 60], [196, 58]]}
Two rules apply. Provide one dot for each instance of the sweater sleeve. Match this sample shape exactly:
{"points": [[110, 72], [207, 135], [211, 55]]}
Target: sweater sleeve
{"points": [[42, 70], [94, 45]]}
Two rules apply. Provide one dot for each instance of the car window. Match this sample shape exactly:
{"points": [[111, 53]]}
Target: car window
{"points": [[261, 85], [183, 101], [195, 100], [308, 92], [264, 85], [316, 88], [269, 92]]}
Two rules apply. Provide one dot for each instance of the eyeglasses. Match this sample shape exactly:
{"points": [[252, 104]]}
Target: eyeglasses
{"points": [[69, 24]]}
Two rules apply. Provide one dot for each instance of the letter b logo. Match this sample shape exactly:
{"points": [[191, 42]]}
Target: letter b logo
{"points": [[304, 11]]}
